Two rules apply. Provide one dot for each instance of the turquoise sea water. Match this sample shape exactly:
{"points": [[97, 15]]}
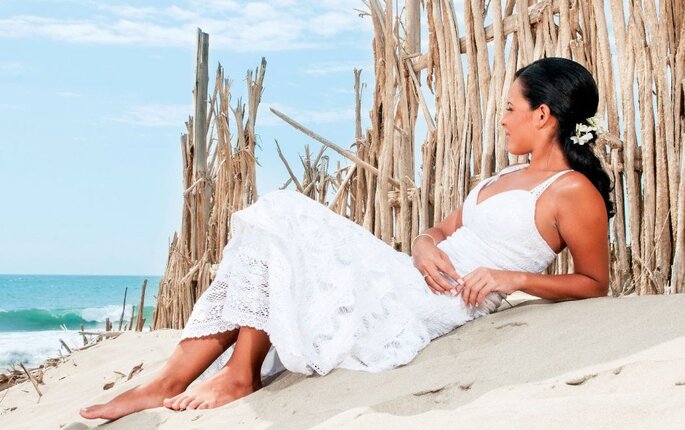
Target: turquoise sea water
{"points": [[33, 309]]}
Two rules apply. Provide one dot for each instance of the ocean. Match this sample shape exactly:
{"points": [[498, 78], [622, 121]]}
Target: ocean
{"points": [[33, 309]]}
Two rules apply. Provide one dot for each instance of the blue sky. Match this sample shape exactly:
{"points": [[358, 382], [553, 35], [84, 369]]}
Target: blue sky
{"points": [[93, 96]]}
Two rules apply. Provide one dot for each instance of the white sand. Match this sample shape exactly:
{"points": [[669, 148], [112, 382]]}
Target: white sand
{"points": [[512, 369]]}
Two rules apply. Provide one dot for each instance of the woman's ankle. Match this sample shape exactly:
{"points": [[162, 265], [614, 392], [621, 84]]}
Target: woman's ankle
{"points": [[169, 385], [244, 376]]}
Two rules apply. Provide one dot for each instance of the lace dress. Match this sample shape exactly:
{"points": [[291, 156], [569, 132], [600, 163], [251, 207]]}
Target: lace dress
{"points": [[332, 295]]}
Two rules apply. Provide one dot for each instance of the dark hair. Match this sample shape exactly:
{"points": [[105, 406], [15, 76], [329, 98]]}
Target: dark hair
{"points": [[571, 94]]}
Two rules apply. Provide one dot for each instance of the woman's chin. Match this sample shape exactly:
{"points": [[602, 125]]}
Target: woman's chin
{"points": [[514, 149]]}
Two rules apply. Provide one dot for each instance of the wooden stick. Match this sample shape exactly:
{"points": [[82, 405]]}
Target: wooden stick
{"points": [[85, 339], [141, 308], [123, 308], [101, 333], [133, 312], [33, 380], [287, 166], [65, 345], [509, 24], [350, 172], [345, 153]]}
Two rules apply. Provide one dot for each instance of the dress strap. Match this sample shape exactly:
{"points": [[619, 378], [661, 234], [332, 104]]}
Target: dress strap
{"points": [[512, 168], [504, 171], [537, 191]]}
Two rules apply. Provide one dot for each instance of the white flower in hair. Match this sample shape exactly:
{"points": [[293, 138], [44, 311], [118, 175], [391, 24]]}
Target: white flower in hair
{"points": [[585, 130]]}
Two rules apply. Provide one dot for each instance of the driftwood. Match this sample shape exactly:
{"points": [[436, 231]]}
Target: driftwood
{"points": [[219, 176], [65, 345], [140, 321], [133, 313], [123, 310], [32, 379], [134, 371], [108, 334], [35, 375]]}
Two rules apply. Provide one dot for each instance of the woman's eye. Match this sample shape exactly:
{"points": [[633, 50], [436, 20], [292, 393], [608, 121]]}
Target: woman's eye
{"points": [[510, 109]]}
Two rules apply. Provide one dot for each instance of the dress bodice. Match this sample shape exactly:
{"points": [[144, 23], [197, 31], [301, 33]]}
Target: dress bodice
{"points": [[500, 231]]}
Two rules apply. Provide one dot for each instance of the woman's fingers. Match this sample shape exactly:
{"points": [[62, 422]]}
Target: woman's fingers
{"points": [[435, 280], [438, 267], [437, 275], [482, 294], [432, 280], [448, 269], [471, 290], [435, 288]]}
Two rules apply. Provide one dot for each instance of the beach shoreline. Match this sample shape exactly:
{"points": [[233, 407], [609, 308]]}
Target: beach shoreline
{"points": [[38, 312]]}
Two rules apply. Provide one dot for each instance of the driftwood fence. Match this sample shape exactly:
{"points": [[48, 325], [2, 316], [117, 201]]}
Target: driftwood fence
{"points": [[219, 176], [458, 85]]}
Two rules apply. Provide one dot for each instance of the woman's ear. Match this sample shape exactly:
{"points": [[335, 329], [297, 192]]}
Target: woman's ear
{"points": [[543, 116]]}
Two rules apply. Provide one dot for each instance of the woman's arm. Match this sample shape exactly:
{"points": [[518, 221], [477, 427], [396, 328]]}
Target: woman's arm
{"points": [[444, 228], [583, 225], [560, 287]]}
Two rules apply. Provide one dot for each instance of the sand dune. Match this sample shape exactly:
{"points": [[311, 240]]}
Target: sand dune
{"points": [[598, 363]]}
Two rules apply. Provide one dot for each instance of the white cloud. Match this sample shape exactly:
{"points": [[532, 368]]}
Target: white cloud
{"points": [[176, 12], [134, 12], [332, 23], [330, 67], [275, 25], [305, 117], [118, 32], [342, 90], [130, 12], [68, 94], [14, 68], [216, 5], [156, 115]]}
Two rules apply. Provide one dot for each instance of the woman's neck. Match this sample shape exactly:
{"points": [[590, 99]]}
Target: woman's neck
{"points": [[548, 157]]}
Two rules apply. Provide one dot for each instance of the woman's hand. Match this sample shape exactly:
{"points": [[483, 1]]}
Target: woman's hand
{"points": [[430, 261], [483, 281]]}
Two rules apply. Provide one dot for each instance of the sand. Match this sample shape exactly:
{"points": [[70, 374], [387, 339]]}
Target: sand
{"points": [[597, 364]]}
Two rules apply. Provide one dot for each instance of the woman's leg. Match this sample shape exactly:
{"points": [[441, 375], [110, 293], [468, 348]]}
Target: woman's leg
{"points": [[190, 358], [241, 375]]}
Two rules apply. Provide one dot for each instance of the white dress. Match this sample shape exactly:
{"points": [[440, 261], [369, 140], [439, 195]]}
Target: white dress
{"points": [[330, 294]]}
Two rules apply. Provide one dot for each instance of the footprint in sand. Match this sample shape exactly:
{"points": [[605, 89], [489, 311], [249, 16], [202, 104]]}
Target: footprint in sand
{"points": [[512, 324], [582, 379]]}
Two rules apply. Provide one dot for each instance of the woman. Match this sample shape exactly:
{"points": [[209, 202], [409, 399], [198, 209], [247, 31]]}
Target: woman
{"points": [[324, 293]]}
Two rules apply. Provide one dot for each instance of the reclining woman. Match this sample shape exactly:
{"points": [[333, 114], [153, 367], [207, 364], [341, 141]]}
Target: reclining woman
{"points": [[321, 292]]}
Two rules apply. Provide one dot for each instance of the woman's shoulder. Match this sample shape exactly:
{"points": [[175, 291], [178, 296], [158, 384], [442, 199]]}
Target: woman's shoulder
{"points": [[575, 192], [575, 184]]}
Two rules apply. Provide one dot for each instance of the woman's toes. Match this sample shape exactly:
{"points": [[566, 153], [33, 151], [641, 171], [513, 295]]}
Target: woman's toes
{"points": [[203, 405], [194, 404], [185, 402], [177, 403], [169, 403], [90, 411]]}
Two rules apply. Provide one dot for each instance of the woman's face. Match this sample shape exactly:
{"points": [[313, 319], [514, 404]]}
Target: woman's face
{"points": [[519, 128]]}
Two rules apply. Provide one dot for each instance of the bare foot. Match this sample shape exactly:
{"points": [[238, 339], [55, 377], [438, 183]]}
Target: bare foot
{"points": [[145, 396], [224, 387]]}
